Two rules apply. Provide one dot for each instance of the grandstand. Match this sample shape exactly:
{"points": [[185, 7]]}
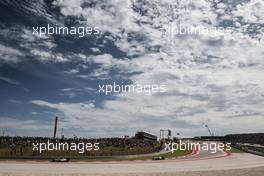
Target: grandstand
{"points": [[247, 138], [250, 138], [251, 142], [141, 135], [210, 138]]}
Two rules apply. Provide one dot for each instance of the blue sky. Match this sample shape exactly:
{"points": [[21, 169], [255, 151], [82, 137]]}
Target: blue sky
{"points": [[210, 80]]}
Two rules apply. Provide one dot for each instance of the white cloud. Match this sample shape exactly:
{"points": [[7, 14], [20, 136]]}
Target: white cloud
{"points": [[252, 12], [71, 92], [117, 14], [16, 127], [216, 80], [208, 80], [9, 54], [9, 80]]}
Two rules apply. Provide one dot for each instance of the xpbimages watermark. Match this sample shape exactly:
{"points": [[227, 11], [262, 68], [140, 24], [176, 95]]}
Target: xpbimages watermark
{"points": [[212, 147], [79, 31], [171, 31], [64, 146], [146, 89]]}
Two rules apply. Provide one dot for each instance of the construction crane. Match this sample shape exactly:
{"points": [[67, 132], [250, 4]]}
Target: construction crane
{"points": [[211, 134]]}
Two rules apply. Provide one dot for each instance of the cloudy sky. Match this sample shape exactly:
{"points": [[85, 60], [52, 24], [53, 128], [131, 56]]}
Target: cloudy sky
{"points": [[209, 80]]}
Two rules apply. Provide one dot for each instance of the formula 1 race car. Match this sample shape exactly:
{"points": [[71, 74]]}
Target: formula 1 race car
{"points": [[60, 160], [158, 158]]}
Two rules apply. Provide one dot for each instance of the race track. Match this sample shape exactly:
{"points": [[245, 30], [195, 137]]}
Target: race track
{"points": [[198, 162]]}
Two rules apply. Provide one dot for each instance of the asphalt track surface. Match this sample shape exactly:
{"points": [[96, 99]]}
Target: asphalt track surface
{"points": [[200, 162]]}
